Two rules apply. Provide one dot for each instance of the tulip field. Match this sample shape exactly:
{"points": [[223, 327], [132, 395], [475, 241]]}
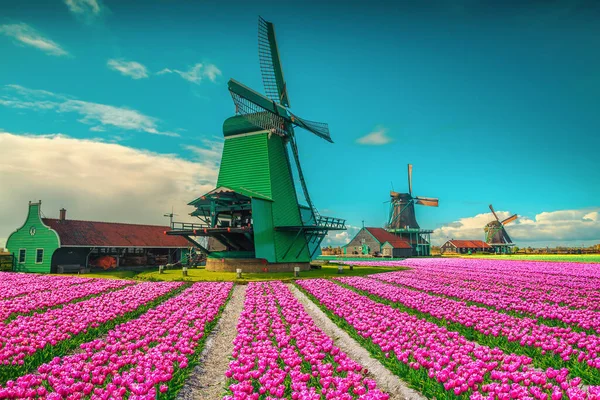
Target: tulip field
{"points": [[449, 328], [138, 359], [279, 352]]}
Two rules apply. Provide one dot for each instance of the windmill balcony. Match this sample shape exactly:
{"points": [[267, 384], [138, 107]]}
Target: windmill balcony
{"points": [[331, 222], [187, 226]]}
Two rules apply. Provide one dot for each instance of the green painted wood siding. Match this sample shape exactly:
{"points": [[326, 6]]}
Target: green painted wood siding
{"points": [[259, 164], [44, 238], [286, 211], [245, 164], [262, 215]]}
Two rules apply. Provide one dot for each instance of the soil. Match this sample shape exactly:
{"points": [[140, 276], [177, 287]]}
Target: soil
{"points": [[386, 380], [207, 380]]}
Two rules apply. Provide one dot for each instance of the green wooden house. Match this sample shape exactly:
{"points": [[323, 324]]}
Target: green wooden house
{"points": [[45, 244]]}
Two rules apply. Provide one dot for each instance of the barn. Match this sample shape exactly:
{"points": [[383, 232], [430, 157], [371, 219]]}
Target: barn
{"points": [[63, 245], [466, 247], [369, 241]]}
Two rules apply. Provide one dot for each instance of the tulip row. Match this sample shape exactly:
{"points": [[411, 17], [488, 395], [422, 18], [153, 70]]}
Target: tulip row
{"points": [[511, 273], [144, 358], [584, 296], [575, 349], [576, 271], [18, 284], [56, 296], [573, 291], [28, 341], [279, 353], [525, 306], [436, 360]]}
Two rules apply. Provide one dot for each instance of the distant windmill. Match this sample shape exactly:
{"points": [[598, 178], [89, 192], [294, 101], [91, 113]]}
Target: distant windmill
{"points": [[402, 207], [495, 233]]}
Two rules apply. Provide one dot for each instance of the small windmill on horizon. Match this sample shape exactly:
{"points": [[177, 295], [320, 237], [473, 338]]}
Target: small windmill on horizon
{"points": [[496, 235], [402, 219]]}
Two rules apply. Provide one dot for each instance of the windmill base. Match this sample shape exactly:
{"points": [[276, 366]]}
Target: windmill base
{"points": [[252, 265]]}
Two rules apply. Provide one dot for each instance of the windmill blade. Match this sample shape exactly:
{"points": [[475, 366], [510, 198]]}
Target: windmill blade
{"points": [[270, 63], [494, 212], [294, 147], [427, 201], [410, 179], [507, 238], [258, 109], [509, 219], [321, 129]]}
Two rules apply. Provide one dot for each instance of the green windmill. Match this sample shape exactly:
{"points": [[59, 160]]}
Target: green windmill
{"points": [[254, 212]]}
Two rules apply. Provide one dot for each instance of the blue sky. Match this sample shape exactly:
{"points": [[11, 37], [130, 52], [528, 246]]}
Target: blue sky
{"points": [[490, 101]]}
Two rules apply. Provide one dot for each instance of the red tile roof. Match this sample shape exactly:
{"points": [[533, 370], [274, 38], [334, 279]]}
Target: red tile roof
{"points": [[112, 234], [383, 236], [400, 244], [470, 244]]}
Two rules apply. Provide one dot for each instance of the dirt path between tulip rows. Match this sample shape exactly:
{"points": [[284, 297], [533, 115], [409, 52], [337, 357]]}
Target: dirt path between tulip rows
{"points": [[207, 380], [386, 380]]}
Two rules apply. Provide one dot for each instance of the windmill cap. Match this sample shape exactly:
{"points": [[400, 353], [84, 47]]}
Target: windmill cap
{"points": [[237, 125]]}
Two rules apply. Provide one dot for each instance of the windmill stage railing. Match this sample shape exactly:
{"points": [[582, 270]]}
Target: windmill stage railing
{"points": [[187, 226], [331, 222]]}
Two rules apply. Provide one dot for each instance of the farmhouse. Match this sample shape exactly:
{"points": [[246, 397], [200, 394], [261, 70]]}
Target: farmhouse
{"points": [[61, 245], [372, 240], [466, 246]]}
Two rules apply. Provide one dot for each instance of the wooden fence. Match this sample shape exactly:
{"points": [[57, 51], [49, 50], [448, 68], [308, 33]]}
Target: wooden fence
{"points": [[7, 262]]}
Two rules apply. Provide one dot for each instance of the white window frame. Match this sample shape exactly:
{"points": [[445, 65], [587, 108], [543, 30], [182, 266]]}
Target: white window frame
{"points": [[24, 257], [36, 253]]}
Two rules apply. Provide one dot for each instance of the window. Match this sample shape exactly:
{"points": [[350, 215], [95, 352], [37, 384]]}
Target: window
{"points": [[39, 256], [22, 256]]}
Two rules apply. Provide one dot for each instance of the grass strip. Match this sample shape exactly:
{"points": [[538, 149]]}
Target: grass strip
{"points": [[589, 375], [32, 362]]}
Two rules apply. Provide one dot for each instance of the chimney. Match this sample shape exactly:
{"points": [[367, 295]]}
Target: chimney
{"points": [[63, 214]]}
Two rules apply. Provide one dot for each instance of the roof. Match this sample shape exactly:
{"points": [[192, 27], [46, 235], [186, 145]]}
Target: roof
{"points": [[399, 244], [225, 191], [470, 244], [238, 124], [382, 235], [112, 234]]}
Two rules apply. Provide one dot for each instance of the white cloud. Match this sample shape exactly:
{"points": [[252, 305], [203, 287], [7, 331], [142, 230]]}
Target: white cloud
{"points": [[211, 150], [86, 10], [96, 181], [26, 35], [132, 69], [91, 113], [196, 73], [548, 228], [376, 138], [83, 6], [341, 238]]}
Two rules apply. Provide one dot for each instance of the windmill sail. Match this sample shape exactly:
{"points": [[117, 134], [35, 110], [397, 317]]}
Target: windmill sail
{"points": [[270, 115], [270, 63], [494, 212], [427, 201], [509, 219], [506, 238], [259, 110], [321, 129], [410, 179]]}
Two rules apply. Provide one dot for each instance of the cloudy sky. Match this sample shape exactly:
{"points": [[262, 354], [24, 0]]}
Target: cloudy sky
{"points": [[114, 109]]}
